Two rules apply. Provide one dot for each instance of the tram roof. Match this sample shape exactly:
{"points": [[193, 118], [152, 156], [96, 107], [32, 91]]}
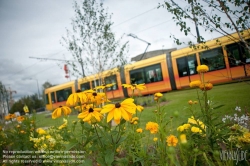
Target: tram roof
{"points": [[151, 54]]}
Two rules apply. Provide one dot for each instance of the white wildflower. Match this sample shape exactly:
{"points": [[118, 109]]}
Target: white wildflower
{"points": [[237, 108]]}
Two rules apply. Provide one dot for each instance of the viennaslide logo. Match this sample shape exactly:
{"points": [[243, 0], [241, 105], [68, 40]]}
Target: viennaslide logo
{"points": [[236, 155]]}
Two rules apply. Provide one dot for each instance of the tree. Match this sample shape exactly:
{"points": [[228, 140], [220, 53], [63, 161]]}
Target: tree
{"points": [[46, 85], [92, 42], [222, 16], [4, 103], [31, 101]]}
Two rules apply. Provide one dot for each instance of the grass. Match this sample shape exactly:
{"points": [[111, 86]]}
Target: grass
{"points": [[225, 98]]}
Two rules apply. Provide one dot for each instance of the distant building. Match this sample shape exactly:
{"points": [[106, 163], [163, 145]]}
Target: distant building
{"points": [[151, 54]]}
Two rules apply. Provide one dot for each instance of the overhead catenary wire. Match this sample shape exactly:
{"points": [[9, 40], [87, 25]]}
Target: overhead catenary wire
{"points": [[153, 26], [134, 17]]}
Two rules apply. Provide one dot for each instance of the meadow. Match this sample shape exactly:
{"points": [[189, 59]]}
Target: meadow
{"points": [[225, 98]]}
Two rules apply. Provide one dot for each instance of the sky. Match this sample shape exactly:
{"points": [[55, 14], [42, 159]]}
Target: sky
{"points": [[35, 28]]}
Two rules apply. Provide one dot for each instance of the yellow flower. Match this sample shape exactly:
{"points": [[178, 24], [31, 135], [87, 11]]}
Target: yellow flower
{"points": [[152, 127], [135, 86], [80, 108], [180, 128], [41, 131], [117, 111], [99, 87], [48, 136], [183, 138], [75, 98], [97, 98], [134, 119], [139, 108], [245, 138], [192, 120], [118, 150], [196, 130], [25, 109], [155, 139], [172, 140], [109, 85], [104, 86], [158, 95], [194, 84], [140, 86], [202, 68], [91, 114], [128, 86], [186, 126], [206, 86], [139, 130], [64, 124], [22, 132], [135, 122], [20, 118], [58, 112]]}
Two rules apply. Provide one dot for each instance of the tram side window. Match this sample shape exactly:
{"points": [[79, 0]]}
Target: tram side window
{"points": [[214, 59], [237, 54], [96, 83], [137, 76], [53, 100], [146, 75], [153, 74], [187, 65], [182, 67], [111, 80], [62, 95], [247, 54], [47, 99], [85, 86], [233, 53]]}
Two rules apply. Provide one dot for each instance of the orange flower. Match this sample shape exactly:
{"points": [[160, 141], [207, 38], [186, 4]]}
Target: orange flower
{"points": [[172, 140], [7, 117], [206, 86], [20, 118], [152, 127], [190, 102]]}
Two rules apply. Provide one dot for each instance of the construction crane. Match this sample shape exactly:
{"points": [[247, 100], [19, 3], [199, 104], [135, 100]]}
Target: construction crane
{"points": [[134, 36], [83, 74]]}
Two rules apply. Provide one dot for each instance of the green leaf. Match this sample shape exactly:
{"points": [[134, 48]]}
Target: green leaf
{"points": [[109, 157]]}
